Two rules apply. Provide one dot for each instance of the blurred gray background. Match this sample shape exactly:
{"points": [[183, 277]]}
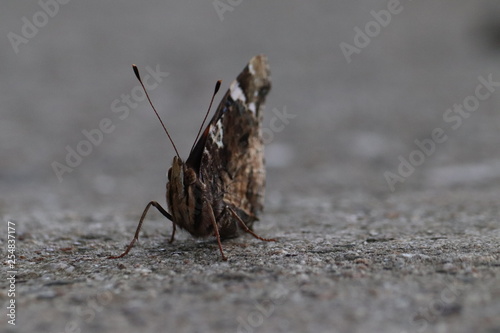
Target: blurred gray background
{"points": [[353, 119]]}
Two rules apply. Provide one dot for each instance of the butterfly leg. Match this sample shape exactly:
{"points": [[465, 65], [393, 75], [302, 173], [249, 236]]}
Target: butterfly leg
{"points": [[173, 232], [247, 229], [139, 226], [216, 229]]}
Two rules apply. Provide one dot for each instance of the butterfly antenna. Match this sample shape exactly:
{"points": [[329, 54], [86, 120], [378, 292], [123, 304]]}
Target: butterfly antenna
{"points": [[217, 87], [136, 72]]}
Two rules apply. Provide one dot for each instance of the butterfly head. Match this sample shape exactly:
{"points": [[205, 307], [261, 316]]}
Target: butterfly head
{"points": [[180, 176]]}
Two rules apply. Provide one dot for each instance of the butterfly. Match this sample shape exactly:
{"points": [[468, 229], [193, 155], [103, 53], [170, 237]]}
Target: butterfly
{"points": [[219, 189]]}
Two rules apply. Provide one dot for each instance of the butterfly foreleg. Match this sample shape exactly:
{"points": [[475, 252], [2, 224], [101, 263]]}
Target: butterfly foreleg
{"points": [[247, 229], [139, 226], [216, 229]]}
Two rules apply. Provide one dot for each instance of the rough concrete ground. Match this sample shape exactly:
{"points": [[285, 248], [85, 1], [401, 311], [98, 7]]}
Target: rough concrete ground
{"points": [[363, 264], [352, 255]]}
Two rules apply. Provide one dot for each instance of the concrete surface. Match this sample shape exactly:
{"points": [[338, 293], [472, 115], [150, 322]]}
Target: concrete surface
{"points": [[354, 254]]}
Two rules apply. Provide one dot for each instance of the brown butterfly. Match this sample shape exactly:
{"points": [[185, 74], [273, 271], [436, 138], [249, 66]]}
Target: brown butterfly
{"points": [[219, 189]]}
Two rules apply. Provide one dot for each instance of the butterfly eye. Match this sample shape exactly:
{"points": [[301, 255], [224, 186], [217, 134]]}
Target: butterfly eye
{"points": [[189, 176], [169, 174]]}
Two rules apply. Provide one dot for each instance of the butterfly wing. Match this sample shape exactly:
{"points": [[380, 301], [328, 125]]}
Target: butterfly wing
{"points": [[229, 156]]}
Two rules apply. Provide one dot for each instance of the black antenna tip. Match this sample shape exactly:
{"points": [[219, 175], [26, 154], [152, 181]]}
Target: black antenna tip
{"points": [[217, 86], [136, 72]]}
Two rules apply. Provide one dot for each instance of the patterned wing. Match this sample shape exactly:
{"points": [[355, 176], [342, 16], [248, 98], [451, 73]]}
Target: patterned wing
{"points": [[229, 156]]}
